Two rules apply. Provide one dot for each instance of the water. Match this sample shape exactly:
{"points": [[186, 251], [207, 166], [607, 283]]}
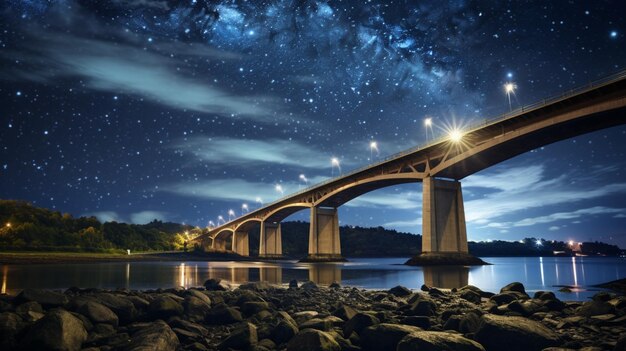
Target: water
{"points": [[537, 273]]}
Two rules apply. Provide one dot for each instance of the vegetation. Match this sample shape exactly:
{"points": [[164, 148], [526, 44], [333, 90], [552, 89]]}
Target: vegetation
{"points": [[25, 227]]}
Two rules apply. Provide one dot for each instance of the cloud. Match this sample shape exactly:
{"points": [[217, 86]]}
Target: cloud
{"points": [[157, 4], [244, 151], [144, 217], [105, 216], [400, 201], [414, 224], [230, 190], [520, 189], [119, 68], [554, 228]]}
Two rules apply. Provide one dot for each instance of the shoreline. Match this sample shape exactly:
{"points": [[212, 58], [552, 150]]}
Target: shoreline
{"points": [[305, 316]]}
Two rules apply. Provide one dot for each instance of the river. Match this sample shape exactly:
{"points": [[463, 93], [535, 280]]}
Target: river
{"points": [[536, 273]]}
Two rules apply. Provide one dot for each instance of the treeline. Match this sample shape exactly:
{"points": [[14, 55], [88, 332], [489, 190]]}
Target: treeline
{"points": [[25, 227]]}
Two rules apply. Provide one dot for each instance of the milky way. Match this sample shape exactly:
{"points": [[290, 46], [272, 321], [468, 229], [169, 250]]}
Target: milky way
{"points": [[132, 110]]}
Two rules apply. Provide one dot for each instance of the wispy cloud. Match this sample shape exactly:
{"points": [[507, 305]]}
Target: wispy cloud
{"points": [[105, 216], [244, 151], [124, 69], [230, 190], [399, 201], [141, 217], [414, 224]]}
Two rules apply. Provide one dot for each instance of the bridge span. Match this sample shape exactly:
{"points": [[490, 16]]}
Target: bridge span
{"points": [[440, 166]]}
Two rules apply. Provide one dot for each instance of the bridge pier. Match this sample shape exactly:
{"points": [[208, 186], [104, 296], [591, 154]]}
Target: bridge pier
{"points": [[444, 234], [271, 241], [219, 244], [324, 243], [241, 243]]}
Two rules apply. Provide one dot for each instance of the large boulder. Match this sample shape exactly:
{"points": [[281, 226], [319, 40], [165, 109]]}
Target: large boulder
{"points": [[223, 315], [10, 325], [196, 309], [158, 336], [399, 291], [122, 307], [199, 294], [164, 307], [517, 333], [46, 298], [437, 341], [58, 330], [595, 308], [217, 285], [359, 322], [284, 331], [515, 286], [313, 340], [384, 336], [344, 312], [241, 338], [98, 313]]}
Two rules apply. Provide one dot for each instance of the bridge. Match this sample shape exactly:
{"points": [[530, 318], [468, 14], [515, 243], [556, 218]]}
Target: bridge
{"points": [[439, 165]]}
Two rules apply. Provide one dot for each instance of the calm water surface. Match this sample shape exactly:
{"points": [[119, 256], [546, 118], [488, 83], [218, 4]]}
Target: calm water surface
{"points": [[537, 273]]}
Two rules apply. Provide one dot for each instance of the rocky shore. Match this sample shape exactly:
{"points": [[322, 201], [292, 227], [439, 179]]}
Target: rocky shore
{"points": [[305, 316]]}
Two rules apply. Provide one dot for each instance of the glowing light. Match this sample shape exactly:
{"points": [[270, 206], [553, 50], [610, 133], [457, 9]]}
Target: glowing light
{"points": [[220, 218], [244, 207], [303, 178], [259, 200], [334, 163], [571, 243], [231, 214], [538, 242], [428, 122], [373, 146], [455, 135], [613, 34], [211, 224], [280, 189], [8, 224], [509, 88]]}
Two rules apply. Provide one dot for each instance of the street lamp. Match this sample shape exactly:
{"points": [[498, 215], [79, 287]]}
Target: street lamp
{"points": [[244, 207], [509, 88], [211, 224], [303, 178], [373, 146], [220, 218], [259, 200], [280, 189], [334, 162], [231, 215], [428, 124]]}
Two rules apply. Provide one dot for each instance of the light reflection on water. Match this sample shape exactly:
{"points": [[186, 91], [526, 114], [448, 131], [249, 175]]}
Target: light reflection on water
{"points": [[537, 273]]}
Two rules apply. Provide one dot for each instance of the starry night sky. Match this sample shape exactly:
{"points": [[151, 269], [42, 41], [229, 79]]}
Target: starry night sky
{"points": [[132, 110]]}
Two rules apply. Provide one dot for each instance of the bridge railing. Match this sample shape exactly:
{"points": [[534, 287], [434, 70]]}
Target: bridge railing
{"points": [[474, 126]]}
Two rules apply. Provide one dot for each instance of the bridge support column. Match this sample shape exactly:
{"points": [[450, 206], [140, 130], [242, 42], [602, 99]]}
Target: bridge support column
{"points": [[324, 243], [219, 244], [444, 235], [241, 243], [271, 241]]}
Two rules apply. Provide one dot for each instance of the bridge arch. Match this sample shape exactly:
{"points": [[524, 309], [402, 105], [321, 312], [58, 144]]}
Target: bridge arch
{"points": [[248, 224], [220, 239], [348, 192], [280, 213]]}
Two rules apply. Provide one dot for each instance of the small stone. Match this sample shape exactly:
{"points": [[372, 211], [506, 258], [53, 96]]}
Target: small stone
{"points": [[313, 340], [257, 286], [309, 285], [424, 288], [359, 322], [335, 285], [293, 284], [241, 338], [317, 323]]}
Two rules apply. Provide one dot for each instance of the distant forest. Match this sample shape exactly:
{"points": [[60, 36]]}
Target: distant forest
{"points": [[25, 227]]}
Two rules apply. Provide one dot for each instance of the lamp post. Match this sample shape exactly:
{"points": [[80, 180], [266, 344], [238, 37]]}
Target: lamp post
{"points": [[373, 146], [334, 162]]}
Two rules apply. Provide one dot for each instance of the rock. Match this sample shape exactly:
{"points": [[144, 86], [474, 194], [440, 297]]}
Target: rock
{"points": [[223, 315], [293, 284], [435, 292], [544, 295], [437, 341], [33, 306], [284, 331], [502, 299], [317, 323], [424, 288], [250, 308], [399, 291], [594, 308], [335, 285], [384, 336], [46, 298], [517, 333], [309, 285], [164, 307], [100, 334], [10, 326], [123, 308], [602, 296], [217, 285], [515, 286], [621, 344], [188, 326], [359, 322], [470, 296], [422, 308], [241, 338], [157, 336], [199, 294], [257, 286], [58, 330], [195, 308], [344, 312], [417, 321], [313, 340], [98, 313]]}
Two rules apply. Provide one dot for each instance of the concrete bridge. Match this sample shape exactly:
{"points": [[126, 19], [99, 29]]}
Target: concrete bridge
{"points": [[439, 166]]}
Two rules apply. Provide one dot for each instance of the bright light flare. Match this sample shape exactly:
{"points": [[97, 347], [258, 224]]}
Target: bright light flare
{"points": [[538, 242], [244, 207], [509, 88], [303, 178], [280, 189], [334, 161], [571, 243], [455, 135], [428, 122], [8, 225]]}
